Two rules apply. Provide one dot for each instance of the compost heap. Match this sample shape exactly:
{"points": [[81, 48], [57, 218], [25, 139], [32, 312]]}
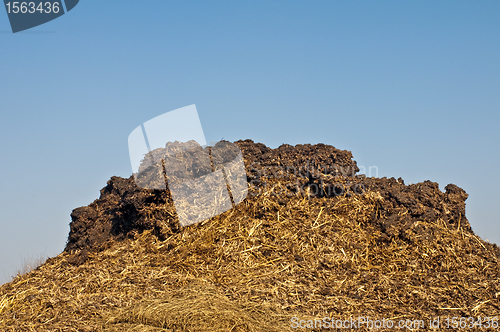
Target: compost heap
{"points": [[312, 239]]}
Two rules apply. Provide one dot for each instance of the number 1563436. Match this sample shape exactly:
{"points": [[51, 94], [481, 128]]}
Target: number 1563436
{"points": [[31, 7]]}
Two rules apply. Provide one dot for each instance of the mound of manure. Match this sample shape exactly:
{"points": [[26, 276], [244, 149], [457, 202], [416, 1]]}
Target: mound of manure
{"points": [[313, 239]]}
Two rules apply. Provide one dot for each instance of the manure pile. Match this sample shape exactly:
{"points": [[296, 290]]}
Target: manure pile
{"points": [[312, 240]]}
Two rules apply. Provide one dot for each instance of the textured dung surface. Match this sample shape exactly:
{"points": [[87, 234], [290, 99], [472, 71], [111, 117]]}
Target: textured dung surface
{"points": [[311, 240], [124, 209]]}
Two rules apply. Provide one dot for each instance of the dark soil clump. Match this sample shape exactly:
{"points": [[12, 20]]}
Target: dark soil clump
{"points": [[125, 210]]}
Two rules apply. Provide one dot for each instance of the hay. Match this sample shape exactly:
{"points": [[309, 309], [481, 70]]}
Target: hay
{"points": [[199, 307]]}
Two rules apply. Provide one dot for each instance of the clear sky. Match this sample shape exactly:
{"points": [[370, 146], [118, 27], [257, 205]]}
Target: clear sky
{"points": [[411, 87]]}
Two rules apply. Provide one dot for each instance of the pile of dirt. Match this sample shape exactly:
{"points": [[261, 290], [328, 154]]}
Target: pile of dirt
{"points": [[312, 240], [312, 171]]}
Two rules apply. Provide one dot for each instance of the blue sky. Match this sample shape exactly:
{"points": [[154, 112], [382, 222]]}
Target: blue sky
{"points": [[409, 87]]}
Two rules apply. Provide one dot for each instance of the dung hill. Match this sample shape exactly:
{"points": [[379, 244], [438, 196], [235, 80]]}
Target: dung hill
{"points": [[312, 245]]}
